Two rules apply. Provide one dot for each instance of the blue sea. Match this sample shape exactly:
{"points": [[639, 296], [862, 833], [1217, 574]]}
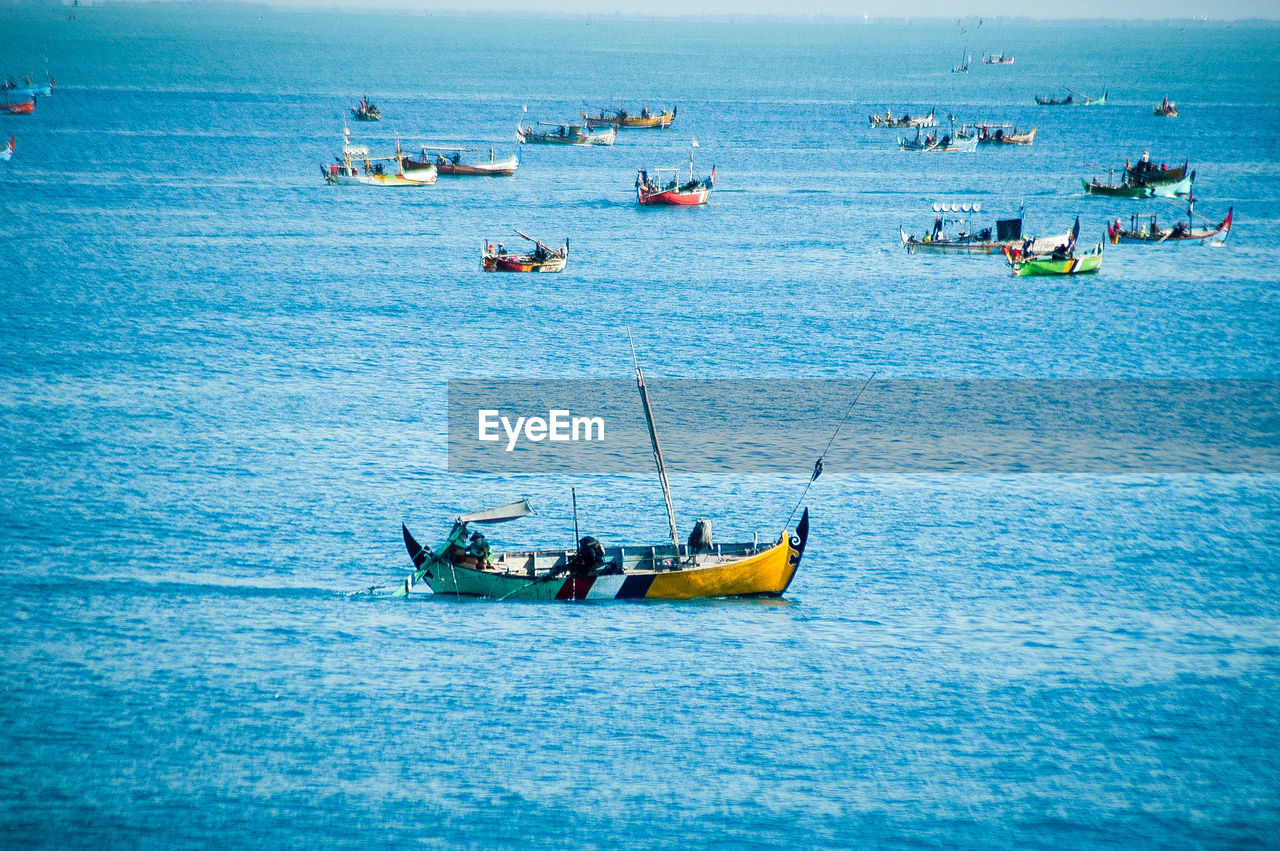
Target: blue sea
{"points": [[222, 390]]}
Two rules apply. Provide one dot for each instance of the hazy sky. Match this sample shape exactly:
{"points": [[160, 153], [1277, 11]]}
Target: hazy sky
{"points": [[1159, 9]]}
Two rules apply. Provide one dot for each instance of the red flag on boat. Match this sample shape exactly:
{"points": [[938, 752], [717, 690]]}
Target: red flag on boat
{"points": [[713, 175]]}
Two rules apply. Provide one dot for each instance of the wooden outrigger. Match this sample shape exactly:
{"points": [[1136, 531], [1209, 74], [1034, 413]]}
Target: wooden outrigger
{"points": [[623, 120], [999, 134], [494, 257], [464, 565]]}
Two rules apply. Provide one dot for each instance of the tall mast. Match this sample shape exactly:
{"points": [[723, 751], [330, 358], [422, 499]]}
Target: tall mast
{"points": [[657, 447]]}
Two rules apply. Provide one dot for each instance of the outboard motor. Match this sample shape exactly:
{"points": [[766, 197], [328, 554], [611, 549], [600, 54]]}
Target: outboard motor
{"points": [[589, 558], [700, 537]]}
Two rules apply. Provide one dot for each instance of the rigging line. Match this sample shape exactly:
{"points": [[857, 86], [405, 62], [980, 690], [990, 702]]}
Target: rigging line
{"points": [[818, 465]]}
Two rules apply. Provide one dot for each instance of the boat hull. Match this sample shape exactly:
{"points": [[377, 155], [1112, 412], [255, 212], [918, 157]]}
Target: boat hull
{"points": [[340, 179], [521, 263], [1084, 265], [24, 107], [764, 573], [674, 197]]}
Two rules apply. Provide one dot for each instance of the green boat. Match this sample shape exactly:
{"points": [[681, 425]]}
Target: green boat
{"points": [[1054, 264]]}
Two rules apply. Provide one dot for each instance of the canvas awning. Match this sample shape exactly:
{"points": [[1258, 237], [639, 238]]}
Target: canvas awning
{"points": [[501, 514]]}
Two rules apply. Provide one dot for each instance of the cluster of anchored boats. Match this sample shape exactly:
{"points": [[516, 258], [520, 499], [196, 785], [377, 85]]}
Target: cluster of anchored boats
{"points": [[463, 564], [1053, 255], [355, 165]]}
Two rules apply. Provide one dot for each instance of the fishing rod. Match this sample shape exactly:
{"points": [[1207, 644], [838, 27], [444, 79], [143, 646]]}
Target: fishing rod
{"points": [[818, 465]]}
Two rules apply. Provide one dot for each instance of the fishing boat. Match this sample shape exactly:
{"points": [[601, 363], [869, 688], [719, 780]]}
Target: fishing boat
{"points": [[947, 144], [1150, 232], [1062, 260], [458, 162], [997, 59], [465, 565], [6, 153], [904, 121], [663, 187], [366, 111], [1166, 109], [963, 67], [1050, 100], [998, 134], [942, 239], [1085, 100], [1145, 179], [26, 90], [494, 257], [355, 167], [620, 118], [565, 134], [17, 104]]}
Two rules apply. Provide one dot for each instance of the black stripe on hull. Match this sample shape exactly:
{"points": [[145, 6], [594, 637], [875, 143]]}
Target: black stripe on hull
{"points": [[634, 587]]}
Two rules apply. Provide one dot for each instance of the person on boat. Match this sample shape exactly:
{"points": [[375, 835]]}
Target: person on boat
{"points": [[457, 158], [946, 139], [501, 249], [479, 549], [540, 253], [1061, 252], [644, 113], [937, 229]]}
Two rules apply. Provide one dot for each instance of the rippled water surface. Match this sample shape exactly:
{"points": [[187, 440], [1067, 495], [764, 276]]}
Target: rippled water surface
{"points": [[222, 387]]}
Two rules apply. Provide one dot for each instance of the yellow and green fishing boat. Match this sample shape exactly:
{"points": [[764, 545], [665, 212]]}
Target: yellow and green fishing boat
{"points": [[464, 565]]}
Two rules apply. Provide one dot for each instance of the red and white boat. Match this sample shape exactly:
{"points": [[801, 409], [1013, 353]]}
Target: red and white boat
{"points": [[664, 186], [25, 105], [544, 258]]}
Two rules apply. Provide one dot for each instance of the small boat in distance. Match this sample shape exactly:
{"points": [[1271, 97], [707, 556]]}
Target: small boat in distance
{"points": [[464, 564], [620, 118], [1051, 100], [1085, 100], [494, 257], [963, 67], [997, 59], [458, 165], [931, 144], [12, 104], [903, 121], [366, 111], [26, 89], [1166, 109], [1150, 232], [663, 186], [999, 134], [6, 153]]}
